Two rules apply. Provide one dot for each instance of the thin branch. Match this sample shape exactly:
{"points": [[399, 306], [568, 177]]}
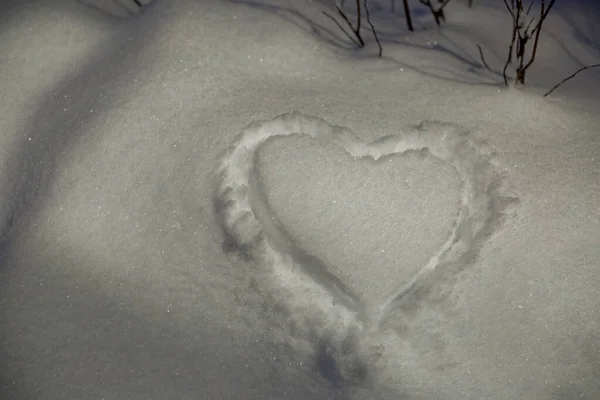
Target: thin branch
{"points": [[509, 9], [352, 38], [569, 77], [518, 16], [510, 49], [344, 17], [545, 14], [534, 51], [358, 19], [437, 13], [529, 25], [538, 29], [357, 29], [530, 5], [373, 28], [407, 15], [485, 64]]}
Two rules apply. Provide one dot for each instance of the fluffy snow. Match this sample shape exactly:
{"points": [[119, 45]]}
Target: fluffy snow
{"points": [[228, 200]]}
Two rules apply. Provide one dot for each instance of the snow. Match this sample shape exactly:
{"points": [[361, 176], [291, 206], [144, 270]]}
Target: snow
{"points": [[229, 200]]}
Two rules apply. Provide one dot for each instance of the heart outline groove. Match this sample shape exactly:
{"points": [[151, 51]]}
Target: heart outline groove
{"points": [[251, 229]]}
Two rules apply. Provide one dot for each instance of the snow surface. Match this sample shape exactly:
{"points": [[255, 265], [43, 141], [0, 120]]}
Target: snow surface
{"points": [[228, 200]]}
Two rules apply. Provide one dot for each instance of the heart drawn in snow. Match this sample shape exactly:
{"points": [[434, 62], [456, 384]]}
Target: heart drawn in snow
{"points": [[365, 223], [373, 224]]}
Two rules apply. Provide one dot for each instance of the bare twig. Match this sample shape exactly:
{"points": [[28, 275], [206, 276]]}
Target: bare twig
{"points": [[357, 15], [515, 29], [545, 14], [569, 77], [358, 20], [537, 30], [510, 9], [530, 5], [407, 15], [522, 32], [485, 64], [529, 25], [356, 30], [373, 28], [438, 14], [352, 38]]}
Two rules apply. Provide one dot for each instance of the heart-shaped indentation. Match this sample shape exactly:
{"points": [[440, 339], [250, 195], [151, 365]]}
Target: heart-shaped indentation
{"points": [[369, 221], [351, 237]]}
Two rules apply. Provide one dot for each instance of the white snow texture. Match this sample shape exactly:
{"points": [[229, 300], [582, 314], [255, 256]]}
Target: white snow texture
{"points": [[230, 200]]}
